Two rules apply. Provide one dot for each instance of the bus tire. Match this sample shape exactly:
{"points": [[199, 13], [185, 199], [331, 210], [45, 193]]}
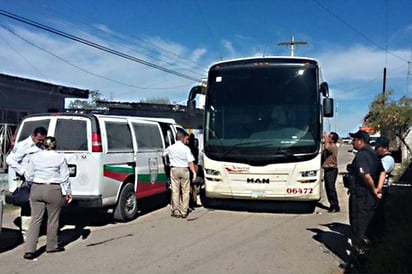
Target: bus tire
{"points": [[206, 202], [126, 207]]}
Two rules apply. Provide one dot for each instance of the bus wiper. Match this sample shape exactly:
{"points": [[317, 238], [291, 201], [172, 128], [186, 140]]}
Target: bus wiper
{"points": [[286, 153], [232, 147]]}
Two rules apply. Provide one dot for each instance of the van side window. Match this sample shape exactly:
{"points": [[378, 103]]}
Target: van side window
{"points": [[119, 137], [71, 134], [148, 136], [29, 126]]}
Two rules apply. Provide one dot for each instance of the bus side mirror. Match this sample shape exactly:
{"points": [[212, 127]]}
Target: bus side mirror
{"points": [[191, 102], [327, 107], [191, 105], [324, 89]]}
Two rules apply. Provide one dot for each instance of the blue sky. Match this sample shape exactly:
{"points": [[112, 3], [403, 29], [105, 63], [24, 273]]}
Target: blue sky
{"points": [[353, 40]]}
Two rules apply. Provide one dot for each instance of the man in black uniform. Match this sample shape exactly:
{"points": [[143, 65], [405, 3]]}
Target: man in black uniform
{"points": [[366, 170]]}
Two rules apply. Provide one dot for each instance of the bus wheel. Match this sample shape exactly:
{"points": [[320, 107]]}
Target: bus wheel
{"points": [[206, 202], [126, 208]]}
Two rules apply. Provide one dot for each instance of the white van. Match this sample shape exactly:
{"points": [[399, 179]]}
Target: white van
{"points": [[113, 160]]}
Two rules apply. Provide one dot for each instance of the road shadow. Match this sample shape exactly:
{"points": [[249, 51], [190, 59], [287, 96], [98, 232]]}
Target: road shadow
{"points": [[75, 223], [334, 239], [261, 206], [10, 239]]}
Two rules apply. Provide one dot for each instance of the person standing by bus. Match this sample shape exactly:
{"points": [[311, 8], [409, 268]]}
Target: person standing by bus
{"points": [[49, 174], [330, 169], [367, 171], [181, 158], [17, 161], [193, 144]]}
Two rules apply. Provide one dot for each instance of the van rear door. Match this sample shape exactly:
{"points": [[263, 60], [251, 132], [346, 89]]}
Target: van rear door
{"points": [[73, 136]]}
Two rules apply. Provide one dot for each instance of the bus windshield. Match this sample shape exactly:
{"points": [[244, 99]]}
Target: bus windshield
{"points": [[262, 114]]}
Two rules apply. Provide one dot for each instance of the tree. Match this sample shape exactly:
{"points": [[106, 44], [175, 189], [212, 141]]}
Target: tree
{"points": [[393, 118], [87, 104]]}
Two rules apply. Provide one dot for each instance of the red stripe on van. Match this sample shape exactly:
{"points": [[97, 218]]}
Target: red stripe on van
{"points": [[145, 189], [118, 176]]}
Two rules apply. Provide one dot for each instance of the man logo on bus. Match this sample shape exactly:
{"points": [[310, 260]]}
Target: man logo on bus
{"points": [[257, 181]]}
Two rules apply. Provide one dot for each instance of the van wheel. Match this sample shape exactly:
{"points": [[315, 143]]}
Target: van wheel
{"points": [[126, 208]]}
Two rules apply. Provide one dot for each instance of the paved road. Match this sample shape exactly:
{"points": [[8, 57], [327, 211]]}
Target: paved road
{"points": [[242, 240]]}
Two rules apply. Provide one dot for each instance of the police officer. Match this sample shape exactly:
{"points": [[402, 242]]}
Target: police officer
{"points": [[367, 171], [17, 161], [376, 229], [48, 173]]}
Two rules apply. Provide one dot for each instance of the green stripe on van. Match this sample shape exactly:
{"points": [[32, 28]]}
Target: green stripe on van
{"points": [[119, 169], [146, 177]]}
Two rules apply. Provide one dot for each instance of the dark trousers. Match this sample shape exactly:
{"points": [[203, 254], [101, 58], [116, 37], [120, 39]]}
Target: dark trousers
{"points": [[376, 228], [362, 205], [330, 175]]}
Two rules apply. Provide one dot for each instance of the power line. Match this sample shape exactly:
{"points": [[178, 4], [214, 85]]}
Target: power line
{"points": [[24, 57], [146, 46], [357, 31], [71, 64], [95, 45]]}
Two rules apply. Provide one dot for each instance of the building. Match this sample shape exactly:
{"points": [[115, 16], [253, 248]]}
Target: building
{"points": [[21, 96], [178, 112]]}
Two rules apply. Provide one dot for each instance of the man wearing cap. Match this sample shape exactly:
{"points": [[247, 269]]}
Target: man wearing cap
{"points": [[376, 228], [388, 163], [367, 171]]}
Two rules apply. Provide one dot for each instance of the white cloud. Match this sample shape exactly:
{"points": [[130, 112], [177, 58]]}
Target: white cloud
{"points": [[103, 28], [354, 73]]}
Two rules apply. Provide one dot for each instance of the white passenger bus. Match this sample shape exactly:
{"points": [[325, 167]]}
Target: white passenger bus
{"points": [[113, 160], [263, 124]]}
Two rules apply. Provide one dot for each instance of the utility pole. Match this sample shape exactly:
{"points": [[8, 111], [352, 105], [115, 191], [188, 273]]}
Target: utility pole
{"points": [[384, 81], [292, 44]]}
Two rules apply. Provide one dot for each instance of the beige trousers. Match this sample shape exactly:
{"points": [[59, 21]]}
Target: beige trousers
{"points": [[180, 190]]}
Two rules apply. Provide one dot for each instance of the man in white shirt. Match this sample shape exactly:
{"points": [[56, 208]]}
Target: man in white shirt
{"points": [[180, 158], [17, 161]]}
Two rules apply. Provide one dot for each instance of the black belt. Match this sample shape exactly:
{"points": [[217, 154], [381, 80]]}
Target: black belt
{"points": [[57, 184]]}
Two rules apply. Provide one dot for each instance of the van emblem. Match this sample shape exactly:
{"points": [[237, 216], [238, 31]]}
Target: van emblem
{"points": [[153, 169]]}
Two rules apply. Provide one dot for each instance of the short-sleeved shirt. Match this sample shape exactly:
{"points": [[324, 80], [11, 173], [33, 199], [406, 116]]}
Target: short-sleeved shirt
{"points": [[48, 166], [388, 164], [366, 161], [179, 155], [18, 157]]}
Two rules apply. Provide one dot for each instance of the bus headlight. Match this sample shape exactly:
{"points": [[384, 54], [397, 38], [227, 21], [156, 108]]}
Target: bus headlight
{"points": [[212, 172], [213, 175], [309, 173], [308, 177]]}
